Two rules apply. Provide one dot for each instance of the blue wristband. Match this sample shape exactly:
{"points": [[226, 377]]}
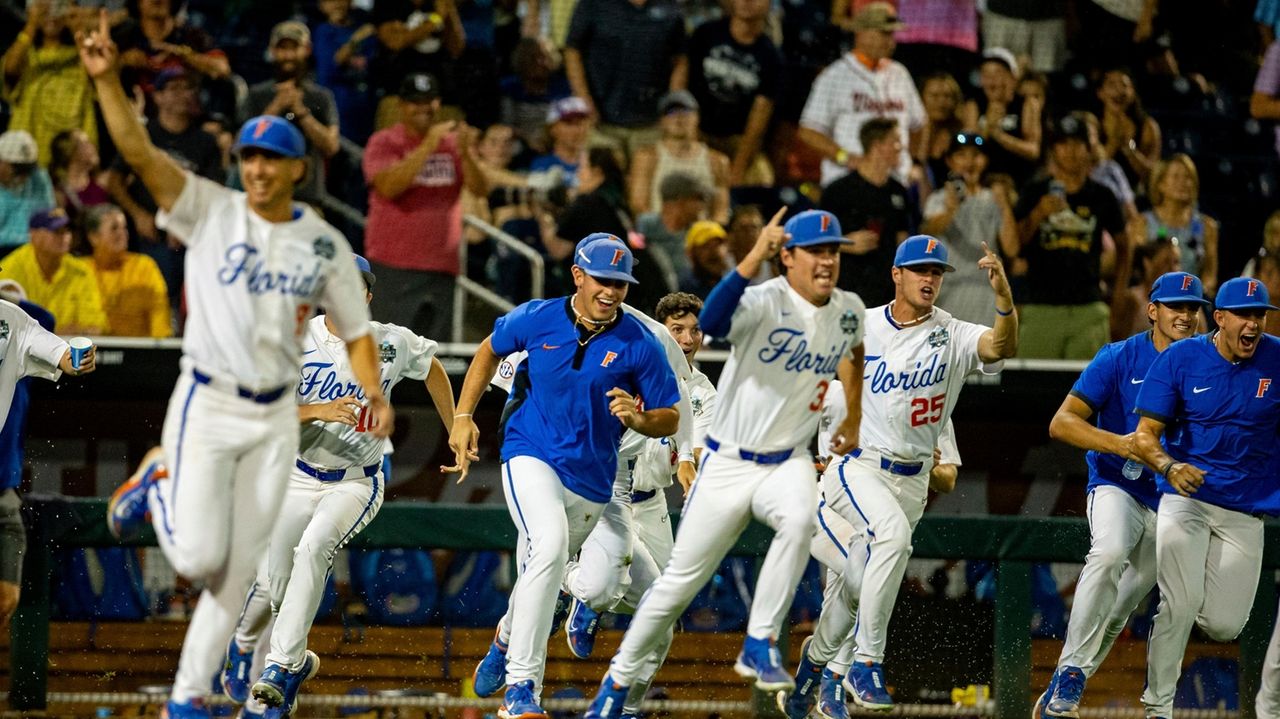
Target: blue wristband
{"points": [[1004, 314]]}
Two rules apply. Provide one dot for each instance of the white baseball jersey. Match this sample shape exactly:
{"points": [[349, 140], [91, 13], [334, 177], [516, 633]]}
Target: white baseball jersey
{"points": [[26, 350], [327, 375], [835, 409], [657, 460], [784, 357], [912, 378], [846, 94], [252, 285]]}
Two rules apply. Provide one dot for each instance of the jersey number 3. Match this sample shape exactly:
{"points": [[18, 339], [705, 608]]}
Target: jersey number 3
{"points": [[927, 411], [816, 405]]}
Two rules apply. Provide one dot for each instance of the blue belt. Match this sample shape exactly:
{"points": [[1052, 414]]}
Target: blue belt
{"points": [[334, 475], [757, 457], [638, 497], [258, 397], [905, 469]]}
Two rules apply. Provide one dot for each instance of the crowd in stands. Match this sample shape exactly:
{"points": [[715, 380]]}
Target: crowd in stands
{"points": [[1092, 143]]}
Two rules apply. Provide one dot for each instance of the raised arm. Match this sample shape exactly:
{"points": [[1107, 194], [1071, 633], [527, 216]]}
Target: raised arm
{"points": [[1001, 341], [163, 178]]}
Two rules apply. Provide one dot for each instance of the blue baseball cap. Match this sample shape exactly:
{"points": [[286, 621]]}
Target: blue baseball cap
{"points": [[53, 220], [604, 256], [922, 250], [1174, 287], [365, 271], [814, 227], [1244, 293], [273, 134]]}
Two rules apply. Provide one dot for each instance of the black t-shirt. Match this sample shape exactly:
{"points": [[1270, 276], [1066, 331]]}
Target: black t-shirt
{"points": [[628, 53], [194, 150], [998, 158], [860, 205], [319, 102], [428, 55], [726, 76], [1064, 259]]}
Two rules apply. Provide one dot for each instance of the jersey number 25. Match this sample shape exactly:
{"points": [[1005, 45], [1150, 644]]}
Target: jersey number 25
{"points": [[927, 411]]}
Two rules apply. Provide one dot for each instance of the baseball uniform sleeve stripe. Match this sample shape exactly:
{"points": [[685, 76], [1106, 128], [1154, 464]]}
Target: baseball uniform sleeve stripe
{"points": [[716, 317], [1093, 406]]}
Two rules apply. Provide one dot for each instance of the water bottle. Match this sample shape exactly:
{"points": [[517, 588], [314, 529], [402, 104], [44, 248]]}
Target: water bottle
{"points": [[1132, 470]]}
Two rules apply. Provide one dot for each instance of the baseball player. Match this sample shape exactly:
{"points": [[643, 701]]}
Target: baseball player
{"points": [[257, 267], [26, 350], [588, 364], [1120, 568], [917, 359], [791, 336], [336, 488], [1216, 477]]}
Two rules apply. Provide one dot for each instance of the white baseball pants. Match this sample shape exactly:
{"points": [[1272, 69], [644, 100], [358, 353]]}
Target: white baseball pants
{"points": [[651, 522], [552, 523], [598, 576], [1208, 561], [228, 458], [727, 493], [833, 542], [318, 519], [1267, 704], [1119, 571]]}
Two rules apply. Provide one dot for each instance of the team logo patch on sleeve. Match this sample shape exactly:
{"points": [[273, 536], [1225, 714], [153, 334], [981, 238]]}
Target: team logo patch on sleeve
{"points": [[849, 322], [4, 330], [387, 352], [939, 337], [323, 247]]}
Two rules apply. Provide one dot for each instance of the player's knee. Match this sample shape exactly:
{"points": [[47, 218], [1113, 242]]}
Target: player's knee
{"points": [[796, 527], [199, 562], [1109, 559], [1222, 628], [893, 536]]}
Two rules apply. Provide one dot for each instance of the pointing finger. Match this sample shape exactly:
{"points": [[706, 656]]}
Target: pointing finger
{"points": [[777, 216]]}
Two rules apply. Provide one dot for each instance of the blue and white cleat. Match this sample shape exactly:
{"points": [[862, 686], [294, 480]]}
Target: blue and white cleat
{"points": [[581, 632], [235, 673], [1037, 711], [869, 692], [194, 709], [127, 511], [760, 660], [609, 700], [519, 703], [831, 697], [279, 687], [563, 601], [1065, 700], [491, 673], [797, 704]]}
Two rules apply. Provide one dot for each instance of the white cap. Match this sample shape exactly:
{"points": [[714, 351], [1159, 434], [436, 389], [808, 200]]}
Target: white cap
{"points": [[18, 147], [1003, 56]]}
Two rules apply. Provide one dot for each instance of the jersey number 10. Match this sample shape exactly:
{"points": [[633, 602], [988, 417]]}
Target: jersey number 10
{"points": [[365, 420], [927, 411]]}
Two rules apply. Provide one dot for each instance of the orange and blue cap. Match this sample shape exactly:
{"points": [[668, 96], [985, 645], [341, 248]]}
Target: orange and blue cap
{"points": [[273, 134], [923, 250], [365, 271], [814, 227], [604, 256], [1177, 288], [1244, 293]]}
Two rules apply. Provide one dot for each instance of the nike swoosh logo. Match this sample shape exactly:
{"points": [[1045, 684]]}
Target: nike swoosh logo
{"points": [[1198, 390], [1136, 381], [304, 354], [546, 346]]}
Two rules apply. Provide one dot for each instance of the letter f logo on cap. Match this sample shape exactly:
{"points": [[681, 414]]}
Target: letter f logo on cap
{"points": [[825, 222], [261, 127], [617, 257], [928, 248], [1186, 282], [1252, 289]]}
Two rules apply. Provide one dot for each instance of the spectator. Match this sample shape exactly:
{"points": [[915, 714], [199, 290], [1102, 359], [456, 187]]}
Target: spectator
{"points": [[1106, 171], [1151, 259], [527, 96], [154, 41], [1032, 29], [735, 72], [864, 84], [74, 171], [416, 36], [679, 151], [1061, 220], [133, 293], [966, 216], [568, 125], [1270, 245], [343, 48], [941, 96], [1269, 275], [295, 97], [874, 210], [1264, 103], [706, 245], [24, 188], [623, 88], [175, 131], [416, 170], [494, 152], [55, 280], [940, 36], [684, 200], [1010, 124], [744, 227], [44, 85], [1174, 191], [1130, 136]]}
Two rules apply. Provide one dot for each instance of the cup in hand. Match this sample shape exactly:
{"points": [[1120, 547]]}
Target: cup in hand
{"points": [[80, 348]]}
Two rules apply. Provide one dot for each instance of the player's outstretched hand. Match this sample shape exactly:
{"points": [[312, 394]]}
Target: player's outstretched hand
{"points": [[995, 272], [88, 363], [771, 237], [98, 53], [343, 409], [686, 472], [1185, 478], [623, 406], [464, 441], [384, 419], [845, 439]]}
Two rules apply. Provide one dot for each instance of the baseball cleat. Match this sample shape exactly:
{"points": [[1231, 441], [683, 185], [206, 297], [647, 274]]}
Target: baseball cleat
{"points": [[519, 703], [581, 632], [760, 660], [866, 679], [562, 611], [278, 686], [491, 673], [608, 702], [798, 703], [1065, 700], [1037, 711], [254, 709], [194, 709], [235, 673], [831, 697], [127, 511]]}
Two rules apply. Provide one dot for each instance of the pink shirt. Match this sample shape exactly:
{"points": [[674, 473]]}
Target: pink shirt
{"points": [[421, 228], [940, 22]]}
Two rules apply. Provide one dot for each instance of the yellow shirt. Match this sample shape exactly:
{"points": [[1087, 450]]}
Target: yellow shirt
{"points": [[71, 296], [134, 297], [52, 94]]}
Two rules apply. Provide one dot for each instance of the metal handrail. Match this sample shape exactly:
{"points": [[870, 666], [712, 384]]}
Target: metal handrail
{"points": [[465, 285]]}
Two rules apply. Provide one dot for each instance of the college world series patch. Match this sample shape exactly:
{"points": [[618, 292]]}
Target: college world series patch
{"points": [[323, 247], [4, 329], [849, 322], [387, 352]]}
